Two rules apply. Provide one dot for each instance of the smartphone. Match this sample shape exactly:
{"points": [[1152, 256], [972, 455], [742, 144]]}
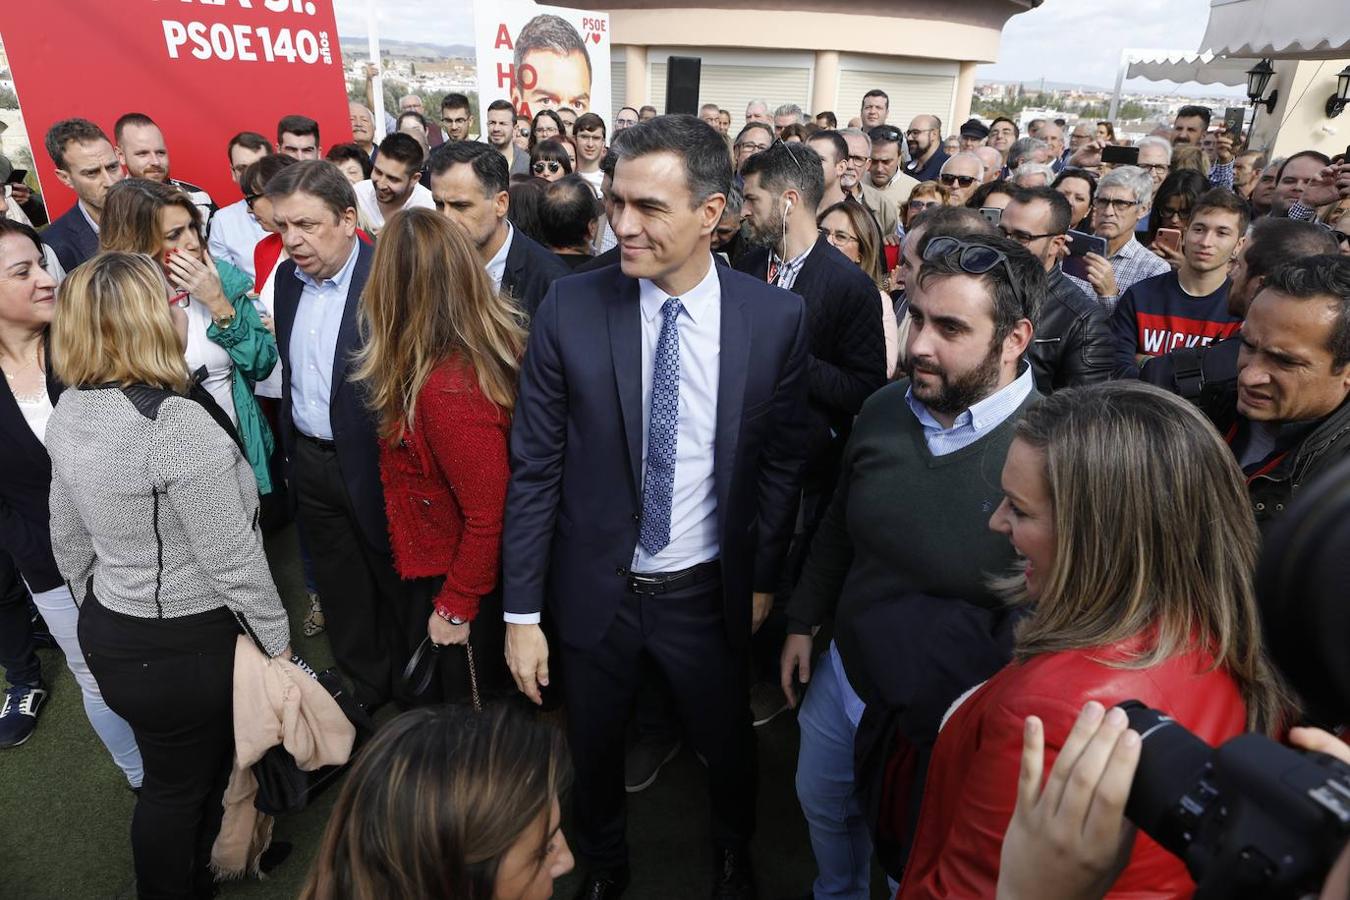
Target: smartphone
{"points": [[17, 176], [992, 214], [1234, 117], [1169, 238], [1116, 155], [1080, 244]]}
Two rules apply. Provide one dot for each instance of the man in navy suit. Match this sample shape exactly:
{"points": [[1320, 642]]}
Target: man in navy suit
{"points": [[87, 164], [655, 457], [327, 431]]}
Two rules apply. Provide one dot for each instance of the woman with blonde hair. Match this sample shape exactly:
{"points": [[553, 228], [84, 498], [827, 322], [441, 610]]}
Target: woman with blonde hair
{"points": [[227, 346], [850, 229], [154, 513], [1139, 545], [439, 366], [449, 803]]}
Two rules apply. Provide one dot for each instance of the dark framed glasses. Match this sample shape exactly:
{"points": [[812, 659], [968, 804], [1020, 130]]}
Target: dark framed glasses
{"points": [[964, 180], [974, 259], [1023, 237], [1341, 237], [251, 199], [551, 167]]}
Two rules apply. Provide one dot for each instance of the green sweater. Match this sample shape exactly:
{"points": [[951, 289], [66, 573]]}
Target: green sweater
{"points": [[903, 521]]}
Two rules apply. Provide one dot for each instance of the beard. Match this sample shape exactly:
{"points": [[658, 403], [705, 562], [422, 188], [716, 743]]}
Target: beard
{"points": [[768, 233], [955, 394]]}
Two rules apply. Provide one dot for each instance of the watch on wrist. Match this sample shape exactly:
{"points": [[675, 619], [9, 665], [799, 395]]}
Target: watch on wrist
{"points": [[223, 322], [452, 619]]}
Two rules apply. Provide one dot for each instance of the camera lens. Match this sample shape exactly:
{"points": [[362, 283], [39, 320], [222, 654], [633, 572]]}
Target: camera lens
{"points": [[1172, 787]]}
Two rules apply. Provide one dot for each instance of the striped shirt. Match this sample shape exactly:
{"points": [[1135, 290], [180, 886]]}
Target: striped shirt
{"points": [[1131, 263]]}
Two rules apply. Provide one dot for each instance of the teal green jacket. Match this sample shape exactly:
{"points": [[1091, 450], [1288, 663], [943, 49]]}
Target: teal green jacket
{"points": [[254, 352]]}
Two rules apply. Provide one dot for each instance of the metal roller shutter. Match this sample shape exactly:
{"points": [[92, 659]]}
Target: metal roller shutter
{"points": [[732, 87], [618, 88], [911, 95]]}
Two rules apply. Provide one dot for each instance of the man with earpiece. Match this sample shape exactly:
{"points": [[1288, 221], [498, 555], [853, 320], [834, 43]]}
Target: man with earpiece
{"points": [[783, 189]]}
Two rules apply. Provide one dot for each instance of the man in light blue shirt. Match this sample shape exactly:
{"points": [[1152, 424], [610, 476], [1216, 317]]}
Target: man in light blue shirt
{"points": [[234, 230]]}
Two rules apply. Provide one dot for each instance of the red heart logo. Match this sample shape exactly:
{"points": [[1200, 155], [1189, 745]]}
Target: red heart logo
{"points": [[595, 36]]}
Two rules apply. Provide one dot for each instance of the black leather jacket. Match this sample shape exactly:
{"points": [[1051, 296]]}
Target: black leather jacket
{"points": [[1072, 342]]}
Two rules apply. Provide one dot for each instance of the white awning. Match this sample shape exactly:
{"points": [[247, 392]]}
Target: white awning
{"points": [[1280, 29], [1184, 66]]}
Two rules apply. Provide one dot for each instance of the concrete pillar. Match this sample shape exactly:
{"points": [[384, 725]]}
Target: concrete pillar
{"points": [[825, 85], [961, 97], [1299, 121], [635, 71]]}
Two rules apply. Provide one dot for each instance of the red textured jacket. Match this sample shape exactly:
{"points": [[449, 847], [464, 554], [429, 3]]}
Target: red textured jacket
{"points": [[445, 488], [972, 781]]}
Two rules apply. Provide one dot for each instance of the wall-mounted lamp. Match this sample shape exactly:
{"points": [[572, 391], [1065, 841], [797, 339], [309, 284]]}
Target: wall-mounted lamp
{"points": [[1258, 77], [1338, 101]]}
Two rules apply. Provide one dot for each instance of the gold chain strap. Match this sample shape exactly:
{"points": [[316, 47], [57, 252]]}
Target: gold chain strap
{"points": [[473, 680]]}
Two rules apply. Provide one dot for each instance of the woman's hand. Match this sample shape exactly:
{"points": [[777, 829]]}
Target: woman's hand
{"points": [[1070, 841], [199, 278], [442, 632], [1173, 258]]}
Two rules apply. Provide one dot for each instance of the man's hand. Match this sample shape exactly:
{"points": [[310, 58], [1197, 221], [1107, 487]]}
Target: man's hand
{"points": [[1319, 741], [760, 604], [796, 658], [1224, 151], [1071, 840], [1088, 156], [371, 71], [527, 658], [1100, 274], [1330, 185], [20, 193]]}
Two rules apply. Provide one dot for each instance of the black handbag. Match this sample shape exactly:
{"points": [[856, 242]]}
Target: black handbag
{"points": [[421, 670]]}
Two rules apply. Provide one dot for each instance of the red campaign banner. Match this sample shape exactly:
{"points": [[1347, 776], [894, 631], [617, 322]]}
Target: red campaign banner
{"points": [[204, 70]]}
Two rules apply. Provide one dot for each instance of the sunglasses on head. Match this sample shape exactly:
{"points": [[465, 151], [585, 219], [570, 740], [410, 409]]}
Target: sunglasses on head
{"points": [[551, 167], [963, 180], [974, 259], [886, 133]]}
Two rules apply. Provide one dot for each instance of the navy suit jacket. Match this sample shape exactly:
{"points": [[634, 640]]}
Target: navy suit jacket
{"points": [[354, 427], [530, 269], [573, 503], [71, 238]]}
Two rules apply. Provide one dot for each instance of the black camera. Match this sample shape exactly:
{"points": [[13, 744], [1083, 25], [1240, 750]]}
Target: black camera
{"points": [[1251, 818]]}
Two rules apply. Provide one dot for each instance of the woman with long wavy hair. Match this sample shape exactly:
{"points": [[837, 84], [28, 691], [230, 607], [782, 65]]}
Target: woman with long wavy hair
{"points": [[439, 368], [1139, 547], [449, 803]]}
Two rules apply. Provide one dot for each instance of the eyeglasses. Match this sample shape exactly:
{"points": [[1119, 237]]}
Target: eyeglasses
{"points": [[917, 131], [1115, 203], [1022, 237], [918, 205], [550, 167], [455, 122], [1154, 167], [752, 147], [250, 199], [973, 259], [886, 134], [859, 160], [1341, 237], [964, 180], [837, 237]]}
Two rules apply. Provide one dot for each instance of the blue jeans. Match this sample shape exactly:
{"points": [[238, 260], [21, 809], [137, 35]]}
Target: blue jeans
{"points": [[839, 835]]}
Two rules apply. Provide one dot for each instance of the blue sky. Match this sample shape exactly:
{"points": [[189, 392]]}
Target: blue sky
{"points": [[1075, 41]]}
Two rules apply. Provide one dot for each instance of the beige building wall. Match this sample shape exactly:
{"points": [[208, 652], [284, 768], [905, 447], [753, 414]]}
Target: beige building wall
{"points": [[1300, 115]]}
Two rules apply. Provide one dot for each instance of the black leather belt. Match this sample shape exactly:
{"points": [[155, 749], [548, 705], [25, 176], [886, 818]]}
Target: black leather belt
{"points": [[652, 583], [318, 442]]}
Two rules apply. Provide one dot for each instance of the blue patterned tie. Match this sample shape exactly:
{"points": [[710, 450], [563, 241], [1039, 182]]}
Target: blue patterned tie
{"points": [[658, 483]]}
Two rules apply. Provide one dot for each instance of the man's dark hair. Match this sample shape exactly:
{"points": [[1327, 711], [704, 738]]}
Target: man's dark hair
{"points": [[835, 140], [980, 197], [878, 92], [589, 122], [1016, 289], [1017, 131], [884, 134], [707, 168], [622, 108], [648, 107], [402, 148], [566, 211], [1302, 154], [831, 120], [67, 130], [951, 221], [1061, 213], [1273, 242], [249, 140], [458, 101], [1320, 276], [750, 126], [551, 33], [496, 105], [317, 177], [298, 125], [131, 119], [784, 166], [343, 152], [260, 171], [1224, 199], [1192, 112], [489, 166]]}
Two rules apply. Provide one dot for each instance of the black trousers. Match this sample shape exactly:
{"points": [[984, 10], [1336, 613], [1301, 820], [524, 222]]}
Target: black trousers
{"points": [[487, 637], [18, 653], [684, 634], [364, 610], [173, 681]]}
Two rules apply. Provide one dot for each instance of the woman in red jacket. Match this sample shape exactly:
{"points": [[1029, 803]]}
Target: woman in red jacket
{"points": [[439, 367], [1139, 546]]}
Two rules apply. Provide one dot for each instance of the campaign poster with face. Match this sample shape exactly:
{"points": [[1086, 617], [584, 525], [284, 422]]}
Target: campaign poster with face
{"points": [[541, 57]]}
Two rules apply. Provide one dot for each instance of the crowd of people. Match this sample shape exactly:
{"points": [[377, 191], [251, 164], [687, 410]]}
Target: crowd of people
{"points": [[950, 443]]}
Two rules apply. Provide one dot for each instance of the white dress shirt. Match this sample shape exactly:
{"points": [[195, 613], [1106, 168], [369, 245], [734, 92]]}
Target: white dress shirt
{"points": [[496, 267], [234, 234], [369, 206], [693, 508]]}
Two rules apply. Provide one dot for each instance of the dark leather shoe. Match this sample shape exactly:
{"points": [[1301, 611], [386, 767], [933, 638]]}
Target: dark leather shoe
{"points": [[733, 879], [603, 886]]}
